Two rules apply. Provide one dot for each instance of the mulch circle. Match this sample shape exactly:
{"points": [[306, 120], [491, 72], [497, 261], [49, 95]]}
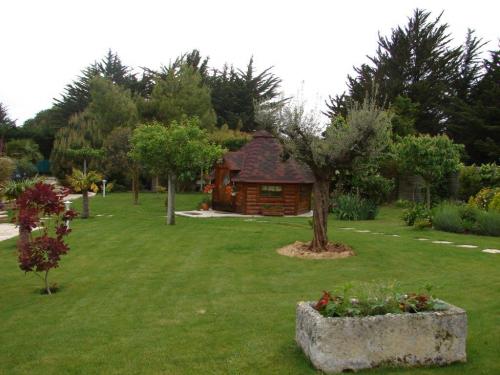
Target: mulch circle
{"points": [[301, 250]]}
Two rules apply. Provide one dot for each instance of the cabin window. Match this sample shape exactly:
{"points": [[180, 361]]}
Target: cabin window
{"points": [[270, 191]]}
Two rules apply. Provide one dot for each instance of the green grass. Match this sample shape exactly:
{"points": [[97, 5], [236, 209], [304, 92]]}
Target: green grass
{"points": [[211, 296]]}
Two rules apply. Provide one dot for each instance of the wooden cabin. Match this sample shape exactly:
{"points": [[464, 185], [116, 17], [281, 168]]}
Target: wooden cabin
{"points": [[255, 180]]}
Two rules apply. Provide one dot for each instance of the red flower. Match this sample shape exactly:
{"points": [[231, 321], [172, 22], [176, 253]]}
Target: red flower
{"points": [[325, 298]]}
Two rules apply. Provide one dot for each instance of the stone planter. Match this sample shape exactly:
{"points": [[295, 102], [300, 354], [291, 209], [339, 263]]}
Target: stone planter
{"points": [[348, 344]]}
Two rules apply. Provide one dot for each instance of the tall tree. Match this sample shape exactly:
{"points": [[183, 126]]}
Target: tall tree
{"points": [[42, 129], [111, 105], [363, 135], [485, 96], [463, 123], [180, 93], [173, 150], [76, 96], [6, 126], [236, 93], [416, 61]]}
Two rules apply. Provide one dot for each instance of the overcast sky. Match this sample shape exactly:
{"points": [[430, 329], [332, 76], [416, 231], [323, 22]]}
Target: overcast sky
{"points": [[312, 45]]}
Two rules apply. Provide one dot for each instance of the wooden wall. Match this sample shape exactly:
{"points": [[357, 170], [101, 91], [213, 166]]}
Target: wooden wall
{"points": [[291, 202]]}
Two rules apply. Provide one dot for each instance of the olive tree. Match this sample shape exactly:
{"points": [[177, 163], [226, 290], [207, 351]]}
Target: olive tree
{"points": [[340, 145], [429, 157], [180, 147]]}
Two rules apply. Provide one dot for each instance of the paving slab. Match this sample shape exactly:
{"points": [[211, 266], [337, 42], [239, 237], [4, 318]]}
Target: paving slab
{"points": [[491, 251]]}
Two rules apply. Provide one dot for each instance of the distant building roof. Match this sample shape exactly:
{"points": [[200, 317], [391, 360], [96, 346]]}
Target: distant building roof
{"points": [[260, 160]]}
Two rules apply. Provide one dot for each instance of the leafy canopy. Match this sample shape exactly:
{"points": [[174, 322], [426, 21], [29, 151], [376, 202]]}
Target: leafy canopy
{"points": [[179, 147], [427, 156]]}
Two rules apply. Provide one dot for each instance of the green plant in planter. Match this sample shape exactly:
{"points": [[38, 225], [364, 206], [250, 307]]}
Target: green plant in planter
{"points": [[205, 203], [371, 300]]}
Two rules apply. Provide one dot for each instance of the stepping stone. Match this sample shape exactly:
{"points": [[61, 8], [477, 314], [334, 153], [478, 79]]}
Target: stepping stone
{"points": [[249, 220], [467, 246], [99, 215], [422, 239], [377, 233], [347, 228], [442, 242], [491, 251], [363, 231], [395, 235]]}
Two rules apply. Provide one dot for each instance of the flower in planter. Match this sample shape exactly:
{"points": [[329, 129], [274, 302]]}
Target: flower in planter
{"points": [[209, 188], [380, 303]]}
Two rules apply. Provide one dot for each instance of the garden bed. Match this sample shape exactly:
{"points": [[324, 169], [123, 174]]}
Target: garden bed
{"points": [[352, 343]]}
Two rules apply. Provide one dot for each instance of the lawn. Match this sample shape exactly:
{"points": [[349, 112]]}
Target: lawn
{"points": [[211, 296]]}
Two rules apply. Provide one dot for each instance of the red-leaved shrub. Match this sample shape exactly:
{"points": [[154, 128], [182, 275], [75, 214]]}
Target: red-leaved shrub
{"points": [[43, 252]]}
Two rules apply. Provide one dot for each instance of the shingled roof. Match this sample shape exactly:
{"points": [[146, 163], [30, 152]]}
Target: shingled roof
{"points": [[260, 160]]}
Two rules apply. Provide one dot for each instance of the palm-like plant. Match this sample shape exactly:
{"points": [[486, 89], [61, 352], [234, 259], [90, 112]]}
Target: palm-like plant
{"points": [[14, 188], [83, 182]]}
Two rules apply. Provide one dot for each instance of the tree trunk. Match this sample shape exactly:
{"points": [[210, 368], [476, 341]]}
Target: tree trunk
{"points": [[47, 288], [135, 184], [85, 199], [154, 183], [85, 166], [171, 200], [428, 194], [321, 190], [24, 235]]}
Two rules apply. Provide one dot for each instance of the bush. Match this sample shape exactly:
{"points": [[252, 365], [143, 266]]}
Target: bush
{"points": [[415, 212], [495, 203], [373, 187], [353, 207], [487, 223], [473, 178], [483, 199], [25, 169], [466, 219], [447, 217]]}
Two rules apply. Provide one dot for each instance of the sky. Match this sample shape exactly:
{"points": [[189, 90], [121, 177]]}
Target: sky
{"points": [[313, 45]]}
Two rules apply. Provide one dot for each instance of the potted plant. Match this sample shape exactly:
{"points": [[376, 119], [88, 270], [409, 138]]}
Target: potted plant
{"points": [[342, 333], [205, 204]]}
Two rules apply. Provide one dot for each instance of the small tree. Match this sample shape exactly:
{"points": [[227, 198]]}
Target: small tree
{"points": [[429, 157], [178, 148], [118, 163], [42, 253], [363, 135], [83, 182]]}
